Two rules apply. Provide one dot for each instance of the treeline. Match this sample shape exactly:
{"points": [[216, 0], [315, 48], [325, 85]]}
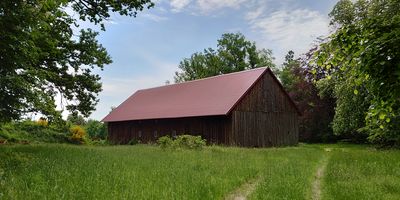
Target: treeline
{"points": [[347, 85]]}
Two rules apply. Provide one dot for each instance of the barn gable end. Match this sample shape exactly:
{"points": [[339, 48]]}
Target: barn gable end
{"points": [[265, 116]]}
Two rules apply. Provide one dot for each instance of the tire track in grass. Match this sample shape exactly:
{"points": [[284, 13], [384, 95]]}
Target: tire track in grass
{"points": [[317, 183], [242, 192]]}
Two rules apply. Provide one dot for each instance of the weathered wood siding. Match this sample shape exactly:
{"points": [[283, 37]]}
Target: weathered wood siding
{"points": [[264, 117], [215, 129]]}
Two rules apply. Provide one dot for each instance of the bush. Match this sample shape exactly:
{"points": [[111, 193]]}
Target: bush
{"points": [[165, 141], [96, 130], [189, 142], [29, 126], [9, 133], [182, 141], [78, 134]]}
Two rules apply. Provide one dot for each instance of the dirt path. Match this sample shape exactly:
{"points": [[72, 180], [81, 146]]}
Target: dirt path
{"points": [[242, 192], [317, 184]]}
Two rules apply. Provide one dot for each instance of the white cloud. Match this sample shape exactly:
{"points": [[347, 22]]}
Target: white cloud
{"points": [[207, 6], [254, 14], [153, 17], [204, 7], [289, 30], [178, 5]]}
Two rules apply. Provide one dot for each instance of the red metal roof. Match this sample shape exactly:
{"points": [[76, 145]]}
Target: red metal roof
{"points": [[204, 97]]}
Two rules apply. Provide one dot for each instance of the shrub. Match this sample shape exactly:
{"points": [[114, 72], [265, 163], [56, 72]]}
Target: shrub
{"points": [[9, 133], [189, 142], [182, 141], [78, 134], [29, 126], [165, 141], [96, 129]]}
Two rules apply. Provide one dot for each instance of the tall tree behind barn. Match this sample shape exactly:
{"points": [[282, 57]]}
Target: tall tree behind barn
{"points": [[248, 108]]}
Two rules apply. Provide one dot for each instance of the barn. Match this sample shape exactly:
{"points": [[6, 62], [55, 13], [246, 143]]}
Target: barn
{"points": [[248, 108]]}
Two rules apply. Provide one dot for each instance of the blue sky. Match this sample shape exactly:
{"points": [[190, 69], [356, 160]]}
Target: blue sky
{"points": [[146, 50]]}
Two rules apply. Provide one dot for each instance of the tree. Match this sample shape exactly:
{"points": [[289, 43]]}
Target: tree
{"points": [[234, 53], [96, 129], [317, 112], [41, 56], [286, 73], [362, 60], [76, 119]]}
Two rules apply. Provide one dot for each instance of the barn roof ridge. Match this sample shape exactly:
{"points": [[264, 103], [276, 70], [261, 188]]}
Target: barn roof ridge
{"points": [[201, 79]]}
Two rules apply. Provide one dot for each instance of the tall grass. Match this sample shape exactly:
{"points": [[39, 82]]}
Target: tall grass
{"points": [[362, 173], [61, 171], [124, 172], [288, 173]]}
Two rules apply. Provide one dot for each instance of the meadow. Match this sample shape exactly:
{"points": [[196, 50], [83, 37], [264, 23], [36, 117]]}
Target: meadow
{"points": [[62, 171]]}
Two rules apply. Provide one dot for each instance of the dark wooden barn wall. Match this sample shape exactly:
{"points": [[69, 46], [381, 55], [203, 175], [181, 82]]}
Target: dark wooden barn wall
{"points": [[215, 129], [264, 117]]}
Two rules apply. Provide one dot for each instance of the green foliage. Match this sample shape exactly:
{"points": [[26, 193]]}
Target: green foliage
{"points": [[31, 131], [76, 119], [96, 130], [317, 111], [44, 54], [28, 131], [98, 11], [384, 122], [182, 141], [165, 142], [189, 142], [350, 111], [362, 57], [286, 75], [234, 53]]}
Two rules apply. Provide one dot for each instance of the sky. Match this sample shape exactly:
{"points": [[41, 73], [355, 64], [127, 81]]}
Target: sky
{"points": [[146, 50]]}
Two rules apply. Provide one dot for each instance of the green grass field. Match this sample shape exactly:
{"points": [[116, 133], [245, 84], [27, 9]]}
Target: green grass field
{"points": [[56, 171]]}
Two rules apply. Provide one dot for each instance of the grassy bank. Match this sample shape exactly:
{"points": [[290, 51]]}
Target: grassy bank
{"points": [[58, 171]]}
